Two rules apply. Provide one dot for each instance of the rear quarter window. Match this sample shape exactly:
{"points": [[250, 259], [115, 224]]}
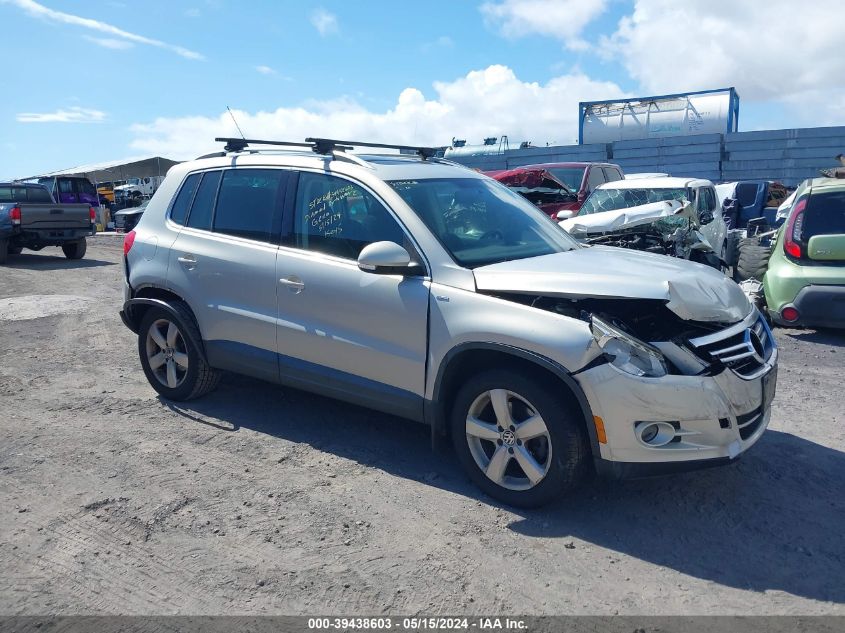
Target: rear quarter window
{"points": [[179, 210], [825, 215], [203, 205]]}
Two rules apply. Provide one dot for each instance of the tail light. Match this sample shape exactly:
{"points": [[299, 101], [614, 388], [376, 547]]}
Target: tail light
{"points": [[789, 314], [128, 241], [15, 216], [92, 215], [792, 236]]}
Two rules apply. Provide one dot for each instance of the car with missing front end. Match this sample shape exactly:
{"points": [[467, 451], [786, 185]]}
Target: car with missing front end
{"points": [[418, 287]]}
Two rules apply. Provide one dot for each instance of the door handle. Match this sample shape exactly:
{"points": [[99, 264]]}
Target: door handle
{"points": [[187, 259], [294, 284]]}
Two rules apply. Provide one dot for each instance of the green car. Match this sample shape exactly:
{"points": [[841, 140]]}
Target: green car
{"points": [[804, 284]]}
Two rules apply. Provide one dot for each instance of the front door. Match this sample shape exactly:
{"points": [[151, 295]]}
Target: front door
{"points": [[356, 335]]}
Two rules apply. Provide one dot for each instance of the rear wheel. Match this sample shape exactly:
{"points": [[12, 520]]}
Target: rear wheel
{"points": [[4, 249], [75, 250], [170, 353], [753, 259], [518, 440]]}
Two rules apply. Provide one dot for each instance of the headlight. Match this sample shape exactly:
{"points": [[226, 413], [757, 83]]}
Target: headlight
{"points": [[627, 353]]}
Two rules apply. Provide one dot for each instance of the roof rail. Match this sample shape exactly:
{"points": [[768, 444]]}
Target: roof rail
{"points": [[324, 145], [423, 152]]}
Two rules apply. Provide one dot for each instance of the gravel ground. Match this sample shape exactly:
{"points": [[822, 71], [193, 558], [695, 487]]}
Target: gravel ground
{"points": [[258, 499]]}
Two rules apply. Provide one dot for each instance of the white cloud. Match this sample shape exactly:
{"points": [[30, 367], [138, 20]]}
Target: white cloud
{"points": [[671, 46], [561, 19], [71, 115], [483, 103], [265, 70], [37, 10], [108, 42], [324, 22]]}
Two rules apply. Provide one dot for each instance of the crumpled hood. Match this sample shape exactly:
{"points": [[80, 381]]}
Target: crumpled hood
{"points": [[621, 218], [694, 292]]}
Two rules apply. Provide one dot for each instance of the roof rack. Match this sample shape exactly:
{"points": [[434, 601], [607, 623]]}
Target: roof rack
{"points": [[324, 145], [423, 152]]}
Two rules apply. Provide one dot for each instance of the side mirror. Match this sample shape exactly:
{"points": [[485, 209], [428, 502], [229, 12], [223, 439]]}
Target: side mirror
{"points": [[705, 217], [565, 214], [384, 258]]}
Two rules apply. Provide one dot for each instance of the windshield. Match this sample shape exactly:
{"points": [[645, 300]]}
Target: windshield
{"points": [[613, 199], [570, 176], [482, 222]]}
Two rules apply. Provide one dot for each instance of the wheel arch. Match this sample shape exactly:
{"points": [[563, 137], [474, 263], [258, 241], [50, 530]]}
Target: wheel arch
{"points": [[468, 358], [146, 297]]}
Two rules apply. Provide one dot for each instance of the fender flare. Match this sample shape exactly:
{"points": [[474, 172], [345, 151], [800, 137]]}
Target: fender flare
{"points": [[437, 418]]}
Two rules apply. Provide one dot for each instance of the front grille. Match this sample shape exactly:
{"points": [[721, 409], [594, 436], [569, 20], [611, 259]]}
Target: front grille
{"points": [[744, 348], [748, 423]]}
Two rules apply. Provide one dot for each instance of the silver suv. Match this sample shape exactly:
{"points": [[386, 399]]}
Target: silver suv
{"points": [[415, 286]]}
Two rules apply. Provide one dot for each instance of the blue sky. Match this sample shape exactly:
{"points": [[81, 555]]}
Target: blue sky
{"points": [[103, 79]]}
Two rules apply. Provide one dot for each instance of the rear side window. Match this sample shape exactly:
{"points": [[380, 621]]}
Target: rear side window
{"points": [[24, 194], [247, 203], [201, 209], [825, 215], [183, 199], [611, 174], [746, 193], [595, 178]]}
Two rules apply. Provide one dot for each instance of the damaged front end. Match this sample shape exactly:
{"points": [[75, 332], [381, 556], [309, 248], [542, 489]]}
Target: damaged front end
{"points": [[640, 337]]}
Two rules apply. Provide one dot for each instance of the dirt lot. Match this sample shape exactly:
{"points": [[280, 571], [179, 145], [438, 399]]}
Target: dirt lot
{"points": [[259, 500]]}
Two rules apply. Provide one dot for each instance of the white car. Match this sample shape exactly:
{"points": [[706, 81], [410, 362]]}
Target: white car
{"points": [[647, 213]]}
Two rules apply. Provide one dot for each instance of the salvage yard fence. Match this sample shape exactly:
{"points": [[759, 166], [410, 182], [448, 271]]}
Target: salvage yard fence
{"points": [[788, 156]]}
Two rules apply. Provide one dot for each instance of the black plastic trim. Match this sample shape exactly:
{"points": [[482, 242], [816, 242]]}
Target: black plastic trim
{"points": [[438, 419]]}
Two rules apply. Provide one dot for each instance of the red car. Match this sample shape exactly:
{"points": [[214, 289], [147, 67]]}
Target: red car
{"points": [[556, 187]]}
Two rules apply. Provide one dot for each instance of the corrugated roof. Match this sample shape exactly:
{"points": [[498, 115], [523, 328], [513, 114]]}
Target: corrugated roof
{"points": [[133, 167]]}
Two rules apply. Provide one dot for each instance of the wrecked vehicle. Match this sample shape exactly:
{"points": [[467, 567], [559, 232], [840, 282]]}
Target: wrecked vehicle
{"points": [[556, 187], [413, 286], [667, 216]]}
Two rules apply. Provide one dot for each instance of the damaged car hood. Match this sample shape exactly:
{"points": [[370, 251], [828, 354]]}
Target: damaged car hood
{"points": [[608, 221], [692, 291]]}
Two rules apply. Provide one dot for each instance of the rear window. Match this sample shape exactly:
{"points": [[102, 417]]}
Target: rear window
{"points": [[825, 215], [746, 193]]}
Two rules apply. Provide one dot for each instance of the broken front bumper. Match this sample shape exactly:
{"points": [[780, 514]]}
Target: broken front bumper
{"points": [[717, 418]]}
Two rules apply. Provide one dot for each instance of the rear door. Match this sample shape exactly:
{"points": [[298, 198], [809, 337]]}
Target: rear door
{"points": [[823, 233], [348, 333], [223, 263]]}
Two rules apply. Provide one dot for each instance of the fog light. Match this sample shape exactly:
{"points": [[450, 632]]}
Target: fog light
{"points": [[649, 433], [654, 434], [789, 314]]}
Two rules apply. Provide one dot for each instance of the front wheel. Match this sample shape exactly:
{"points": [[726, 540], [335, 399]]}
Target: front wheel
{"points": [[518, 440], [170, 355], [75, 250]]}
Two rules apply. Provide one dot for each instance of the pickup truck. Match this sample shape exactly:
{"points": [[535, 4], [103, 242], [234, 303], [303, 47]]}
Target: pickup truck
{"points": [[30, 218]]}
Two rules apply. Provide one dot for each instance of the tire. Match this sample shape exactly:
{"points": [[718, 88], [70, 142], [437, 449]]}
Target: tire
{"points": [[181, 354], [4, 250], [15, 250], [75, 250], [753, 260], [558, 454]]}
